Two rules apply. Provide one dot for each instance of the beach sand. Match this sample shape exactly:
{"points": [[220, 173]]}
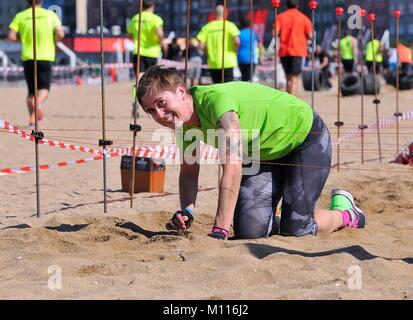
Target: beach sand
{"points": [[127, 253]]}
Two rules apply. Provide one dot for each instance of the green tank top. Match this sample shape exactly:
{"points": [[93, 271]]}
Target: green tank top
{"points": [[346, 46], [369, 51]]}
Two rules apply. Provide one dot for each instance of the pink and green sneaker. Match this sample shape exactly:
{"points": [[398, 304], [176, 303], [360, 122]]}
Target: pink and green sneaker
{"points": [[343, 201]]}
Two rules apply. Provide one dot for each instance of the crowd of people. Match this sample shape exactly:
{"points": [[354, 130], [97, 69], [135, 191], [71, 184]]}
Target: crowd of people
{"points": [[208, 45]]}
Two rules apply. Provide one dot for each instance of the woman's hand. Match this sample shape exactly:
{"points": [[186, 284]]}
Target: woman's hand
{"points": [[181, 220]]}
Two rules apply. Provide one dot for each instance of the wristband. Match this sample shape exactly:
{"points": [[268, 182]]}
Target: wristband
{"points": [[220, 230], [218, 233], [190, 211]]}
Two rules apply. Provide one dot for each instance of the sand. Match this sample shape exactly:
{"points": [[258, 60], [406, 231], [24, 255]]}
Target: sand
{"points": [[127, 254]]}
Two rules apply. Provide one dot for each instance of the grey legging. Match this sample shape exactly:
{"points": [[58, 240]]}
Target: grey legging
{"points": [[298, 178]]}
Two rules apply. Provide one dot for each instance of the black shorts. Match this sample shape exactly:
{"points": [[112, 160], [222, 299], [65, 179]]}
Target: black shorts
{"points": [[145, 63], [216, 75], [44, 75], [246, 71], [348, 65], [369, 65], [292, 65], [298, 178]]}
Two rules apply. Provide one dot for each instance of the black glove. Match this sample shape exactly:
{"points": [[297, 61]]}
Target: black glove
{"points": [[184, 213]]}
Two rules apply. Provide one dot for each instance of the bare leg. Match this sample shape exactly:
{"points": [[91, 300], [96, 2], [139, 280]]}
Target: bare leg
{"points": [[328, 220], [41, 97], [289, 84], [293, 85]]}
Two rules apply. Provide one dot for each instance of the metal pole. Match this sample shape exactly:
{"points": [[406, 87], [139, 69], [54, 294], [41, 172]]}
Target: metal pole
{"points": [[103, 143], [397, 15], [339, 12], [362, 126], [223, 42], [376, 101], [222, 66], [135, 128], [188, 11], [275, 4], [313, 6], [37, 135], [312, 59], [251, 42]]}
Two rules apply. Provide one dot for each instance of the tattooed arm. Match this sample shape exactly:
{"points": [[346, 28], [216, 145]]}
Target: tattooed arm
{"points": [[230, 154]]}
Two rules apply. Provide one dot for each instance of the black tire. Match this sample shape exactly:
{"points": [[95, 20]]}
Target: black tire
{"points": [[307, 78], [369, 84], [350, 85], [390, 77], [406, 81]]}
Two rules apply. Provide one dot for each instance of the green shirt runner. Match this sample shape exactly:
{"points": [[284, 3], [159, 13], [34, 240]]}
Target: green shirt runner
{"points": [[369, 51], [150, 45], [211, 34], [346, 46], [282, 120], [46, 22]]}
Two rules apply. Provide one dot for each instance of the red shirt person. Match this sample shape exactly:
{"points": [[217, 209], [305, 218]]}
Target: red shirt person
{"points": [[294, 29]]}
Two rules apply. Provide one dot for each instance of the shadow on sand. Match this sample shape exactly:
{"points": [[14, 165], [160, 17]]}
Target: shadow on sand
{"points": [[260, 251]]}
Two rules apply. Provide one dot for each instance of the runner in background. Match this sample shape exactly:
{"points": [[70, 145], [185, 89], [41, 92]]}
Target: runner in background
{"points": [[48, 31], [152, 36], [349, 51], [210, 38], [295, 30]]}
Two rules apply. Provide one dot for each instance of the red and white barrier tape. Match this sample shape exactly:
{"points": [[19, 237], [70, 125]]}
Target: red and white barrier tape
{"points": [[167, 151], [164, 152], [383, 123], [70, 69], [8, 171], [168, 63], [25, 135], [180, 65], [158, 151]]}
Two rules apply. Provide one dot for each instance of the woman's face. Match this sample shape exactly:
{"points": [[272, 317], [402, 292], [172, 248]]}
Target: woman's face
{"points": [[169, 109]]}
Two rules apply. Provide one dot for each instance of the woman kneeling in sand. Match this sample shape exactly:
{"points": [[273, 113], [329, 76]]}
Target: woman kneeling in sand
{"points": [[292, 157]]}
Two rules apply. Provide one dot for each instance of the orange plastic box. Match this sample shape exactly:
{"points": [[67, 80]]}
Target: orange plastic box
{"points": [[149, 174]]}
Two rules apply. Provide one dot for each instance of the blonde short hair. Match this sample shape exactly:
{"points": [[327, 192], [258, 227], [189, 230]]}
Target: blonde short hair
{"points": [[158, 78]]}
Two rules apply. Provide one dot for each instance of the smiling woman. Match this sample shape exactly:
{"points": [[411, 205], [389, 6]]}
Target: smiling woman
{"points": [[162, 94], [291, 156], [159, 79]]}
